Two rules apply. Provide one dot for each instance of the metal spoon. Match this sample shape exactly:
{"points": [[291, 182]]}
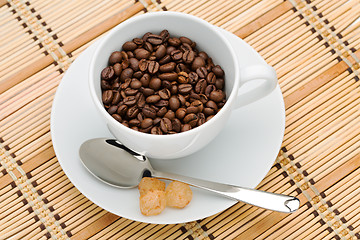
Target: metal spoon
{"points": [[115, 164]]}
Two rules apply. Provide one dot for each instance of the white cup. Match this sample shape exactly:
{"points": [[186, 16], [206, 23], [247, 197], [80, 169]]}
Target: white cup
{"points": [[208, 39]]}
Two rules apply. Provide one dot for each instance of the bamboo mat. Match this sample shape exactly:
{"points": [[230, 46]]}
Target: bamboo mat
{"points": [[314, 47]]}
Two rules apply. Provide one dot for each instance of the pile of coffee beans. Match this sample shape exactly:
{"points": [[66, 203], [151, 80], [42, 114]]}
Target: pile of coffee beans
{"points": [[161, 84]]}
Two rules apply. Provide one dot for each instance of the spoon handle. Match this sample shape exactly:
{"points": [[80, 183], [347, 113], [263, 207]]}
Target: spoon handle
{"points": [[271, 201]]}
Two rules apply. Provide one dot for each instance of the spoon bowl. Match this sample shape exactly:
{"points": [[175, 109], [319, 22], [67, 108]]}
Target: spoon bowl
{"points": [[116, 165]]}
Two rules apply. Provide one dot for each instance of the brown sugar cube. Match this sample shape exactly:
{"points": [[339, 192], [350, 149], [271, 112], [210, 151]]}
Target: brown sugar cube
{"points": [[147, 183], [152, 203], [178, 194]]}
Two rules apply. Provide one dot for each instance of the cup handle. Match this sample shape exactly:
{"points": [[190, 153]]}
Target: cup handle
{"points": [[256, 72]]}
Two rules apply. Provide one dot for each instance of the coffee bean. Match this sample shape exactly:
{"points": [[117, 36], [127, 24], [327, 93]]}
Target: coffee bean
{"points": [[174, 42], [211, 78], [116, 98], [134, 122], [117, 69], [170, 115], [125, 123], [209, 89], [143, 65], [180, 113], [116, 85], [162, 111], [201, 118], [147, 122], [176, 55], [165, 125], [183, 77], [218, 71], [141, 100], [134, 64], [185, 47], [191, 119], [201, 72], [138, 41], [141, 53], [107, 73], [138, 74], [155, 83], [117, 117], [123, 95], [203, 55], [153, 99], [156, 130], [135, 84], [193, 78], [125, 84], [130, 54], [192, 109], [171, 76], [169, 49], [126, 73], [165, 59], [219, 83], [209, 111], [154, 39], [162, 103], [217, 96], [198, 62], [174, 89], [181, 68], [115, 57], [166, 84], [222, 103], [130, 101], [145, 36], [193, 96], [188, 56], [125, 63], [148, 91], [130, 92], [184, 88], [185, 127], [124, 55], [200, 86], [168, 67], [132, 112], [129, 46], [176, 125], [185, 40], [107, 97], [160, 52], [174, 103], [165, 35], [148, 46], [145, 80], [181, 99], [122, 109], [211, 104], [164, 93], [149, 112], [153, 67], [198, 104], [134, 128], [105, 85], [112, 109]]}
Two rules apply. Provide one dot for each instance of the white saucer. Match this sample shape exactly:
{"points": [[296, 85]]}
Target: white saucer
{"points": [[242, 154]]}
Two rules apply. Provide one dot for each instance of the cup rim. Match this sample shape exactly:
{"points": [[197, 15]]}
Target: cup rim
{"points": [[143, 17]]}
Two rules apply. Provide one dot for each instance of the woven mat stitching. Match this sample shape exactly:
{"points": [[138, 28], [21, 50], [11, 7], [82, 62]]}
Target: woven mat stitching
{"points": [[32, 196], [317, 199]]}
